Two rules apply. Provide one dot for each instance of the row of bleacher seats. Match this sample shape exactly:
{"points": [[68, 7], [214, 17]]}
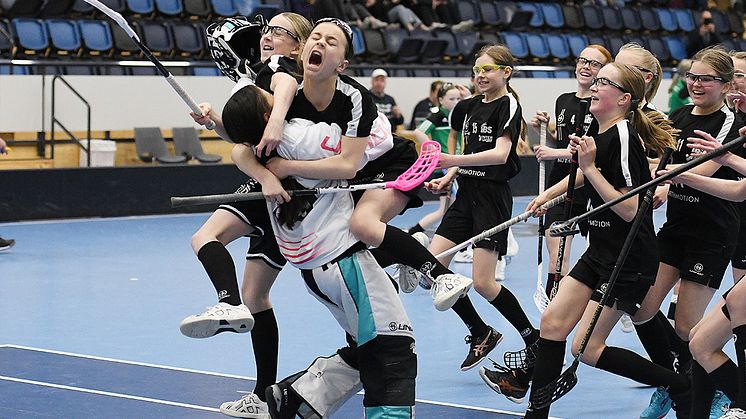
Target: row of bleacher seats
{"points": [[196, 9], [91, 38]]}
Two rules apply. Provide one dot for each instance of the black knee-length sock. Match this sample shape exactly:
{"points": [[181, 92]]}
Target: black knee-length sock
{"points": [[405, 249], [740, 335], [548, 366], [511, 309], [703, 391], [468, 314], [628, 364], [222, 272], [725, 379], [677, 345], [654, 339], [265, 340]]}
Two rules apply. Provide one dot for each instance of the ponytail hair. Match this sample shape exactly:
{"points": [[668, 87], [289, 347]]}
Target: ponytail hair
{"points": [[654, 129]]}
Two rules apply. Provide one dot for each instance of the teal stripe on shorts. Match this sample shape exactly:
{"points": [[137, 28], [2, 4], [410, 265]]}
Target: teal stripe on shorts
{"points": [[353, 277], [389, 412]]}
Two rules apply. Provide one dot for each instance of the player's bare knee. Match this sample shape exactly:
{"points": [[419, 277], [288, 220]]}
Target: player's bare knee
{"points": [[362, 228], [683, 329], [699, 347]]}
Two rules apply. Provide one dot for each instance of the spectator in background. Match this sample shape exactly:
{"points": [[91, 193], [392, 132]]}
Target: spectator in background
{"points": [[426, 106], [5, 244], [704, 36], [679, 94], [448, 13], [385, 103], [346, 10]]}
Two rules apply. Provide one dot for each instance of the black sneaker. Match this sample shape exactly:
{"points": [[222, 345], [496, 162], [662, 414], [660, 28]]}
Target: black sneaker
{"points": [[282, 402], [480, 347], [6, 244], [506, 382]]}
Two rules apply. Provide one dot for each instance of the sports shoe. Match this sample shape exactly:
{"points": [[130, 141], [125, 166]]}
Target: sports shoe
{"points": [[6, 244], [408, 276], [500, 269], [426, 282], [504, 381], [480, 347], [626, 324], [464, 256], [248, 406], [448, 288], [282, 403], [222, 317], [660, 405], [734, 413], [720, 405]]}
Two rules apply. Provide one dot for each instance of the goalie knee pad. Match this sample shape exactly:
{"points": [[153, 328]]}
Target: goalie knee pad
{"points": [[388, 368], [325, 385]]}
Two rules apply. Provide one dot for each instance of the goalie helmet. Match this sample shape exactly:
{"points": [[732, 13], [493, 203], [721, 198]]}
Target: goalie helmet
{"points": [[234, 45]]}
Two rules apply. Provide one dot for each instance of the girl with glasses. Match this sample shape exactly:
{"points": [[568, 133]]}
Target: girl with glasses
{"points": [[610, 164], [491, 125], [737, 101], [701, 231], [572, 118]]}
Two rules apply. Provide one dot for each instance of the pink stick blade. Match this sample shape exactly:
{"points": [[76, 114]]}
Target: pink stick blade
{"points": [[420, 170]]}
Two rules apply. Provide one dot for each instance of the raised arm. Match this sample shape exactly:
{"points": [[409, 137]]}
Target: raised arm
{"points": [[284, 87]]}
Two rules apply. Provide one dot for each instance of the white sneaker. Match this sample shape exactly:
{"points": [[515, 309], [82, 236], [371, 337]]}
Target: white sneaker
{"points": [[626, 324], [500, 269], [409, 277], [448, 288], [222, 317], [464, 256], [248, 406], [734, 413]]}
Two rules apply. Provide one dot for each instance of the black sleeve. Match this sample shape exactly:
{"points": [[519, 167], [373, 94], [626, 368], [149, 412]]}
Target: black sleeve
{"points": [[458, 115], [363, 110]]}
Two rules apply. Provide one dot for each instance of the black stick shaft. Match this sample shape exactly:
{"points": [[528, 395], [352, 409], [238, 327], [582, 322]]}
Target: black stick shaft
{"points": [[186, 201], [655, 182]]}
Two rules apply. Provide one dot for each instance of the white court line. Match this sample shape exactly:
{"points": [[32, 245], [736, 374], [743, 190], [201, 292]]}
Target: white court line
{"points": [[108, 393], [120, 361], [87, 219]]}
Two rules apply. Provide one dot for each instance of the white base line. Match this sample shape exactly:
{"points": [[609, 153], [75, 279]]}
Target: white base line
{"points": [[143, 364], [108, 393]]}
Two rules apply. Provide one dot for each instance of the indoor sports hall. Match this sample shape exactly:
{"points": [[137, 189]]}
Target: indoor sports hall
{"points": [[97, 268]]}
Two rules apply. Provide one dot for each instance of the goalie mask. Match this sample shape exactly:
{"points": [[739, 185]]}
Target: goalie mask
{"points": [[234, 45]]}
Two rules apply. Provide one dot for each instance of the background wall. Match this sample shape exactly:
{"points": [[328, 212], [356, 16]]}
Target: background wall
{"points": [[124, 102]]}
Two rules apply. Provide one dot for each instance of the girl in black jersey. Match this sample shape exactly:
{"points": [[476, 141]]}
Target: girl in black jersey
{"points": [[713, 369], [328, 96], [701, 231], [280, 45], [491, 125], [611, 163], [737, 101], [573, 118]]}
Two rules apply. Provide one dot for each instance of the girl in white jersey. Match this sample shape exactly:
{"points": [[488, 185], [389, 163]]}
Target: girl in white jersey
{"points": [[314, 235], [610, 164]]}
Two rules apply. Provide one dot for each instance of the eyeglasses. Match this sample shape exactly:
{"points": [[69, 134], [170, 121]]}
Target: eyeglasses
{"points": [[582, 61], [488, 68], [703, 79], [739, 75], [279, 32], [603, 81], [644, 70]]}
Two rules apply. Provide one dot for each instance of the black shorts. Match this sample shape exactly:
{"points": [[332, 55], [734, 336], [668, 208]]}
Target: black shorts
{"points": [[629, 289], [388, 167], [262, 243], [698, 260], [480, 205], [738, 259]]}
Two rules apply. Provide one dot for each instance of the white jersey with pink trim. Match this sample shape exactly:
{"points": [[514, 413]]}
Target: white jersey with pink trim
{"points": [[323, 233]]}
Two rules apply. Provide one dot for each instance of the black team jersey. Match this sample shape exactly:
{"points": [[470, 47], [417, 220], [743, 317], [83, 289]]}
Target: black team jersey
{"points": [[573, 117], [481, 124], [620, 157], [275, 64], [696, 212], [352, 108]]}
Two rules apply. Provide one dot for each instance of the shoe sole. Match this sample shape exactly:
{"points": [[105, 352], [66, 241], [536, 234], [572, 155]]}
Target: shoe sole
{"points": [[405, 286], [205, 328], [452, 296], [7, 247], [516, 400], [269, 394], [468, 367]]}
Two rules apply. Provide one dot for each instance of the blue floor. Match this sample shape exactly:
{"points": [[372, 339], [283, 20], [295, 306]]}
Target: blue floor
{"points": [[91, 310]]}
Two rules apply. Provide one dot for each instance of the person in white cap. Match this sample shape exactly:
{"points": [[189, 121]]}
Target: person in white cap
{"points": [[385, 103]]}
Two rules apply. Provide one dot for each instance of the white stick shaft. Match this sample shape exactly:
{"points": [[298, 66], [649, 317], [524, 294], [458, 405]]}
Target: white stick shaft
{"points": [[187, 99], [500, 227]]}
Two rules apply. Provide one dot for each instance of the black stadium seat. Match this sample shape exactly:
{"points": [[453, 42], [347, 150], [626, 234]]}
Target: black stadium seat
{"points": [[56, 8], [198, 9], [631, 19], [375, 45], [123, 45], [649, 20], [24, 8], [612, 18], [594, 19], [157, 37], [188, 39], [573, 16]]}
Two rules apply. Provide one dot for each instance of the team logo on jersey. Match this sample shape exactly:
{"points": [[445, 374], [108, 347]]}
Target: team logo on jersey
{"points": [[485, 129], [561, 117], [326, 146], [394, 326]]}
